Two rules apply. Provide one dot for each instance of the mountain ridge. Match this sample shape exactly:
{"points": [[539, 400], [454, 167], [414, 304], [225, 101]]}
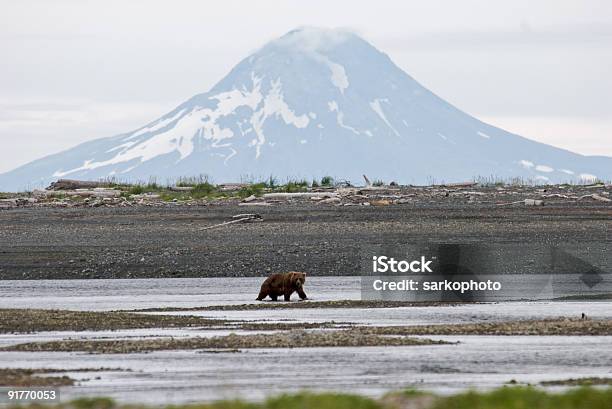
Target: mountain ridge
{"points": [[314, 102]]}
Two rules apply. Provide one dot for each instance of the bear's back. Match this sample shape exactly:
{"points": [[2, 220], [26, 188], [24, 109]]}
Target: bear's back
{"points": [[276, 280]]}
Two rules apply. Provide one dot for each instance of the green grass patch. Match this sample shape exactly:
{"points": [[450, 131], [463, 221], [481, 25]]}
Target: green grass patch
{"points": [[256, 189], [327, 181], [140, 189], [192, 181], [136, 190], [578, 382], [92, 403], [503, 398], [271, 182], [295, 186], [320, 401], [202, 190], [527, 398], [169, 196]]}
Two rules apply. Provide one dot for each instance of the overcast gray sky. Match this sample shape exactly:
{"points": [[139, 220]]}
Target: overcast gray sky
{"points": [[75, 70]]}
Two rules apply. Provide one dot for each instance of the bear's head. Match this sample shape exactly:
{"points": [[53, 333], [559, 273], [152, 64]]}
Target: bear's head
{"points": [[297, 279]]}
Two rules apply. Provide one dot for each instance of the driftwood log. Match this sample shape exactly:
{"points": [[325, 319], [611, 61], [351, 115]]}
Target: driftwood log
{"points": [[68, 184], [97, 192], [180, 188], [526, 202], [459, 184], [239, 218], [595, 196], [298, 195], [230, 187]]}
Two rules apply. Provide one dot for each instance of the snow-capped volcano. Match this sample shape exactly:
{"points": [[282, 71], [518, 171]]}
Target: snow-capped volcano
{"points": [[312, 103]]}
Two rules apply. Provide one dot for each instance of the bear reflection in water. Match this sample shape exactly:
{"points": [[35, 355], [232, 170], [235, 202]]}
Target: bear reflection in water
{"points": [[283, 284]]}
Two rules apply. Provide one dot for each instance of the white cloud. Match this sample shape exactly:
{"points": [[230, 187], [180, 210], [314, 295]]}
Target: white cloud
{"points": [[313, 39]]}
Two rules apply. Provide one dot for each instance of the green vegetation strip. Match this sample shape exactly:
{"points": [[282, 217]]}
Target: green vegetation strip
{"points": [[519, 397], [559, 326], [503, 398], [306, 304], [31, 320], [578, 382], [288, 339], [201, 188]]}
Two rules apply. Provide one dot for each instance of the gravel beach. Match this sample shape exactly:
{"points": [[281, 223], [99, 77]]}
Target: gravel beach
{"points": [[169, 239]]}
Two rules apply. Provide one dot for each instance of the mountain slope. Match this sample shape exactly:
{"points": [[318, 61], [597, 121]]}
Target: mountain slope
{"points": [[313, 103]]}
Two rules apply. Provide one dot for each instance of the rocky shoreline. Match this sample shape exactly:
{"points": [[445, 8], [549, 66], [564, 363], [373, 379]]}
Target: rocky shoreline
{"points": [[77, 194]]}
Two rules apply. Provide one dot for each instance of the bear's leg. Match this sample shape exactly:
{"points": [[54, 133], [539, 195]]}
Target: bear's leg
{"points": [[302, 294], [288, 296], [274, 297]]}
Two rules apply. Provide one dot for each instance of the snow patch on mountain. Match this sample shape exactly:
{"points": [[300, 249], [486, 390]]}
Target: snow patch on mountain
{"points": [[375, 105], [203, 123], [231, 155], [339, 78], [159, 124], [333, 107], [274, 105], [544, 168], [315, 43]]}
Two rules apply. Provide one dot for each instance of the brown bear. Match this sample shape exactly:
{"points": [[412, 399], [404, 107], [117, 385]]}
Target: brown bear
{"points": [[283, 284]]}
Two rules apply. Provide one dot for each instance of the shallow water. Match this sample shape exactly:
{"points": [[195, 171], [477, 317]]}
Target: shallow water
{"points": [[466, 313], [181, 376], [116, 294], [477, 362]]}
